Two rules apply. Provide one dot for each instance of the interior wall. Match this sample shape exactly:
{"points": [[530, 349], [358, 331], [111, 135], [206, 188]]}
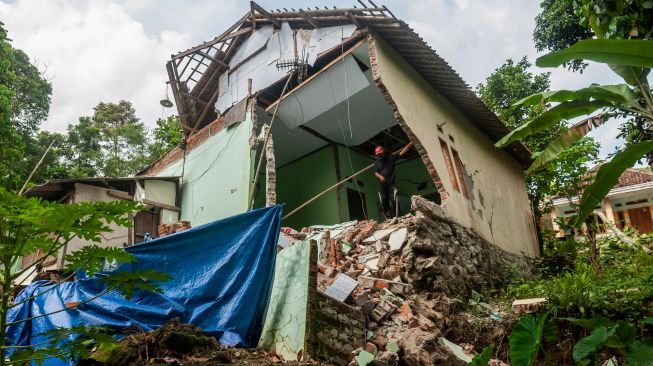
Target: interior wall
{"points": [[163, 192], [216, 175], [498, 208], [303, 179], [369, 186]]}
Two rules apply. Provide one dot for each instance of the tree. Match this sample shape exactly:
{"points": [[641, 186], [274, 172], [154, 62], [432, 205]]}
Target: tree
{"points": [[123, 138], [11, 146], [512, 82], [166, 135], [562, 23], [30, 226], [630, 59], [84, 148]]}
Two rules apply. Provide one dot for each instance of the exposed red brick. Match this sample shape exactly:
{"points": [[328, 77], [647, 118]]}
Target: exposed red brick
{"points": [[191, 143]]}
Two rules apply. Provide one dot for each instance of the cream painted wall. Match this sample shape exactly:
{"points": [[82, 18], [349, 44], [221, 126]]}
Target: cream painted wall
{"points": [[163, 192], [114, 238], [498, 208]]}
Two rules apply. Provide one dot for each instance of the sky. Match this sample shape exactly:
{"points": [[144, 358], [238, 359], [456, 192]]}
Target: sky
{"points": [[108, 50]]}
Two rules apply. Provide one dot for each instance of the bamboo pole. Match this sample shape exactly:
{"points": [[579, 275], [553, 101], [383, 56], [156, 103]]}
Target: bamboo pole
{"points": [[327, 190], [36, 167]]}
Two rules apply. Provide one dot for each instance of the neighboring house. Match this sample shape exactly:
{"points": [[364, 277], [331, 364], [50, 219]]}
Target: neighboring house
{"points": [[629, 203], [158, 194], [360, 77]]}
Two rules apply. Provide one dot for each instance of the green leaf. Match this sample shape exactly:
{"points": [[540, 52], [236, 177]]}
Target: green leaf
{"points": [[640, 353], [455, 349], [526, 338], [648, 320], [566, 110], [483, 358], [623, 52], [92, 258], [620, 93], [128, 283], [592, 343], [608, 175], [592, 323], [623, 336], [631, 75]]}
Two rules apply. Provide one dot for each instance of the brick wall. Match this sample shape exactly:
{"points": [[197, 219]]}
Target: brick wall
{"points": [[339, 329], [191, 143]]}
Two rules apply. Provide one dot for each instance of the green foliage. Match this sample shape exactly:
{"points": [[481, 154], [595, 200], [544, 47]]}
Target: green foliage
{"points": [[128, 283], [609, 174], [525, 341], [620, 335], [166, 135], [502, 92], [621, 52], [483, 358], [558, 27], [29, 226], [122, 138], [624, 291], [92, 259]]}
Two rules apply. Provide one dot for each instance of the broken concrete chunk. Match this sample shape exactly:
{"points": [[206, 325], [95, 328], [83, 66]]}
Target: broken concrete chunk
{"points": [[397, 239], [386, 358], [528, 305], [341, 288], [379, 235], [392, 347], [382, 311], [364, 358]]}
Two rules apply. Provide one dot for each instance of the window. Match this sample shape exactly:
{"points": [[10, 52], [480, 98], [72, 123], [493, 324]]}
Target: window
{"points": [[447, 160], [459, 170]]}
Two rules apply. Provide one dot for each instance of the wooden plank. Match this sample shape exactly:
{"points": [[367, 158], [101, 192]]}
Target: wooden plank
{"points": [[129, 197], [309, 19], [213, 59], [224, 36], [175, 93], [353, 20], [327, 66], [265, 13]]}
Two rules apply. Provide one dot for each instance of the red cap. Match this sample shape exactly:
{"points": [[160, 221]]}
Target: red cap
{"points": [[378, 150]]}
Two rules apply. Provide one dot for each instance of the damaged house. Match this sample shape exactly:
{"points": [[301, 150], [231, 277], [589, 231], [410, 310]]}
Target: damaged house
{"points": [[332, 84]]}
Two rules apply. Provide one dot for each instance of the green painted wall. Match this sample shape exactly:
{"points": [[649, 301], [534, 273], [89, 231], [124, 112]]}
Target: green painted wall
{"points": [[302, 180], [285, 321], [216, 175], [369, 186]]}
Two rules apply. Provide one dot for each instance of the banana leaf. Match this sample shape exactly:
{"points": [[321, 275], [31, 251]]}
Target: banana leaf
{"points": [[566, 110], [564, 141], [621, 52], [620, 93], [608, 175]]}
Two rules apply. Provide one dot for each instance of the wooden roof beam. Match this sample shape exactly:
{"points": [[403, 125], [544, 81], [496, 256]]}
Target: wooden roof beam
{"points": [[353, 20], [309, 19], [266, 14]]}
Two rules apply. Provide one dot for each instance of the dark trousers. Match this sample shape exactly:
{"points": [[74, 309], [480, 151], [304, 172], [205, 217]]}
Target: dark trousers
{"points": [[387, 195]]}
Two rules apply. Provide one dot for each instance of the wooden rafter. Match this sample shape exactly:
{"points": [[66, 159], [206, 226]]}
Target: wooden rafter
{"points": [[309, 19], [266, 14]]}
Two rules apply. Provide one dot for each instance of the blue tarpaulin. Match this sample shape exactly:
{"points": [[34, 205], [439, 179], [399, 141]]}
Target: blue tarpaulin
{"points": [[222, 275]]}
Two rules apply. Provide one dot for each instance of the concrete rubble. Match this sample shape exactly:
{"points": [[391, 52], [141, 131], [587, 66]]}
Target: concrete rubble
{"points": [[406, 276]]}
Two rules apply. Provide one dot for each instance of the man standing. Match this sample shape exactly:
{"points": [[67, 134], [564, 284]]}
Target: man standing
{"points": [[384, 170]]}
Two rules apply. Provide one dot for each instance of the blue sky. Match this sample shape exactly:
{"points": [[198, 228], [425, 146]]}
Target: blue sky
{"points": [[107, 50]]}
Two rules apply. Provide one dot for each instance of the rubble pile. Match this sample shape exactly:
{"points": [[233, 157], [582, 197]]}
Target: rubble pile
{"points": [[167, 229], [407, 277], [179, 344]]}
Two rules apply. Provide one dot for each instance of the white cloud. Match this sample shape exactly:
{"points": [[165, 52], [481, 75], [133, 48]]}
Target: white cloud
{"points": [[100, 50], [95, 51]]}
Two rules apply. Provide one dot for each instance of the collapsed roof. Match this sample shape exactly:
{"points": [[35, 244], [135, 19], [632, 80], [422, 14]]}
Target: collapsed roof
{"points": [[200, 76]]}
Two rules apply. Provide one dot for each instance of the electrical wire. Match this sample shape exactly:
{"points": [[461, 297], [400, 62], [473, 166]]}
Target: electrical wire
{"points": [[342, 130]]}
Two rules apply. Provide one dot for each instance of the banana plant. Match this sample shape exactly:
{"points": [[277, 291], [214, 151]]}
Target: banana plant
{"points": [[632, 60]]}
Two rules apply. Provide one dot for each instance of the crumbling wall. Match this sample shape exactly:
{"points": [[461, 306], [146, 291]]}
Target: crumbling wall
{"points": [[497, 205], [339, 330], [399, 280]]}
